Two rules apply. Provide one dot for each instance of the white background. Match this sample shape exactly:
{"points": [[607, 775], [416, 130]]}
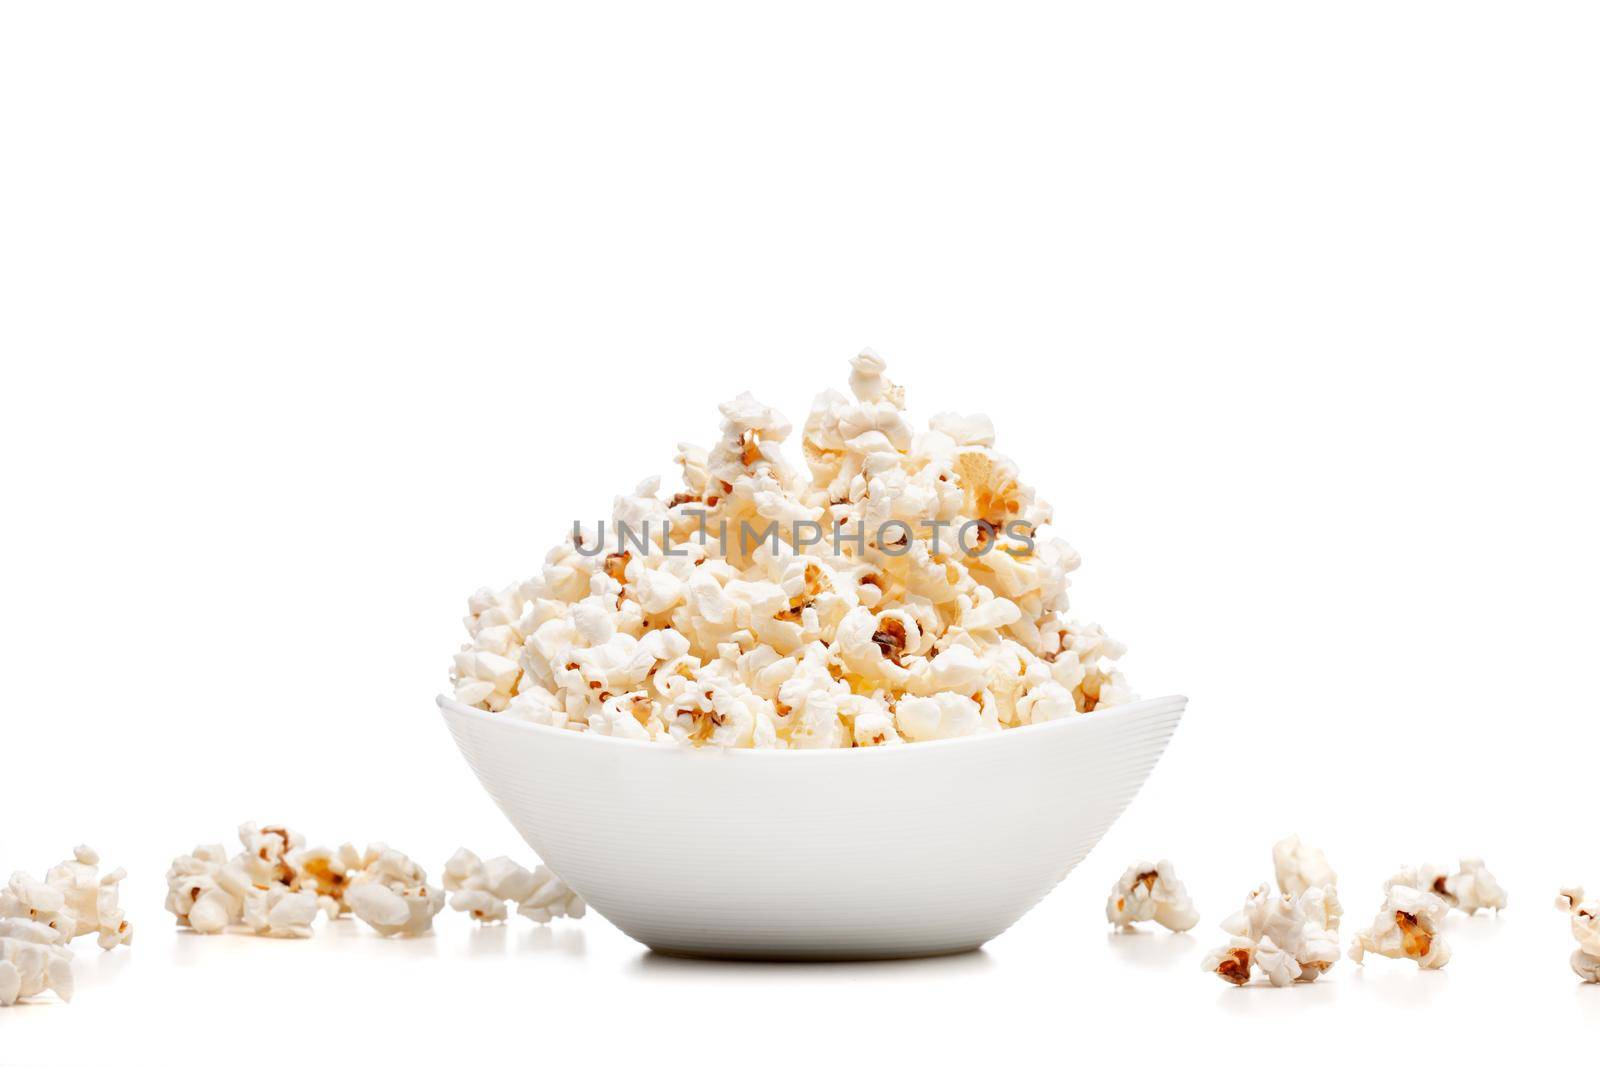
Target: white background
{"points": [[314, 317]]}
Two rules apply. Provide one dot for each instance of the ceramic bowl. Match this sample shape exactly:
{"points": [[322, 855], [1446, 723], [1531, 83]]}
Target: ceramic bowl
{"points": [[906, 850]]}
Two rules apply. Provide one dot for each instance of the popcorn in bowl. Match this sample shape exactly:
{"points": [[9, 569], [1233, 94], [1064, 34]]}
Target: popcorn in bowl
{"points": [[899, 591]]}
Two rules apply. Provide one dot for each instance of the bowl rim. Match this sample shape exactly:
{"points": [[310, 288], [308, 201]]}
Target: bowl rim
{"points": [[449, 706]]}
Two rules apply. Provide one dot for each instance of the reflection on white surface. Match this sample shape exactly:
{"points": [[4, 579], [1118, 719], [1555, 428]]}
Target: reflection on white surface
{"points": [[1261, 998], [657, 966], [566, 939], [1588, 1000], [1403, 983], [1147, 948]]}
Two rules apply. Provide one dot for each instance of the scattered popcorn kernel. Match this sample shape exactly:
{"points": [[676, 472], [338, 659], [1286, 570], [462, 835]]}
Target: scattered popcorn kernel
{"points": [[1470, 888], [325, 872], [34, 959], [74, 899], [1151, 891], [1585, 930], [1406, 928], [1286, 936], [1299, 867], [1473, 887], [483, 889], [550, 899], [928, 605], [263, 889], [391, 894], [25, 897], [280, 912]]}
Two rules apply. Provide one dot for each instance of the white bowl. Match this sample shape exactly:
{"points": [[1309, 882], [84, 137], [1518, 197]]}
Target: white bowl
{"points": [[909, 850]]}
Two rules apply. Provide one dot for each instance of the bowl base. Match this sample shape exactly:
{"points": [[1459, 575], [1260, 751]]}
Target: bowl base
{"points": [[841, 954]]}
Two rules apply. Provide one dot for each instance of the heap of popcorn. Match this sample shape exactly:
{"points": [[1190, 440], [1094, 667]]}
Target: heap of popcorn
{"points": [[275, 886], [39, 919], [905, 595]]}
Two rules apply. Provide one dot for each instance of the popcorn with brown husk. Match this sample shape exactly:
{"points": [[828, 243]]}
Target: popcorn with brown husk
{"points": [[1406, 928], [1470, 888], [1283, 934], [1149, 892]]}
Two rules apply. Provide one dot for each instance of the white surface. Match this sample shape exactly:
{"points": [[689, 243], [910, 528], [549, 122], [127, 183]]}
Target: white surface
{"points": [[315, 317], [920, 850]]}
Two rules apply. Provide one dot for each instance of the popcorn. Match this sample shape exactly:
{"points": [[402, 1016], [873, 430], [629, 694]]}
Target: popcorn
{"points": [[1469, 889], [34, 958], [901, 589], [1151, 891], [1473, 887], [74, 899], [273, 887], [1585, 930], [1284, 934], [1299, 867], [1406, 928], [279, 911], [550, 899], [484, 888], [391, 894], [326, 873]]}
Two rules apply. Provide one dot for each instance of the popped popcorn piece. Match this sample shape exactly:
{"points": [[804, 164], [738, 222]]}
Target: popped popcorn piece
{"points": [[25, 897], [550, 899], [1299, 866], [273, 887], [927, 616], [1473, 887], [484, 888], [1284, 934], [1151, 891], [1585, 961], [391, 894], [74, 899], [1470, 888], [196, 893], [34, 959], [1280, 967], [326, 872], [280, 911], [1406, 928]]}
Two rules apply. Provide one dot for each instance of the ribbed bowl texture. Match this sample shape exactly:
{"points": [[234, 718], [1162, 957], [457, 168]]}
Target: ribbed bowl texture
{"points": [[906, 850]]}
